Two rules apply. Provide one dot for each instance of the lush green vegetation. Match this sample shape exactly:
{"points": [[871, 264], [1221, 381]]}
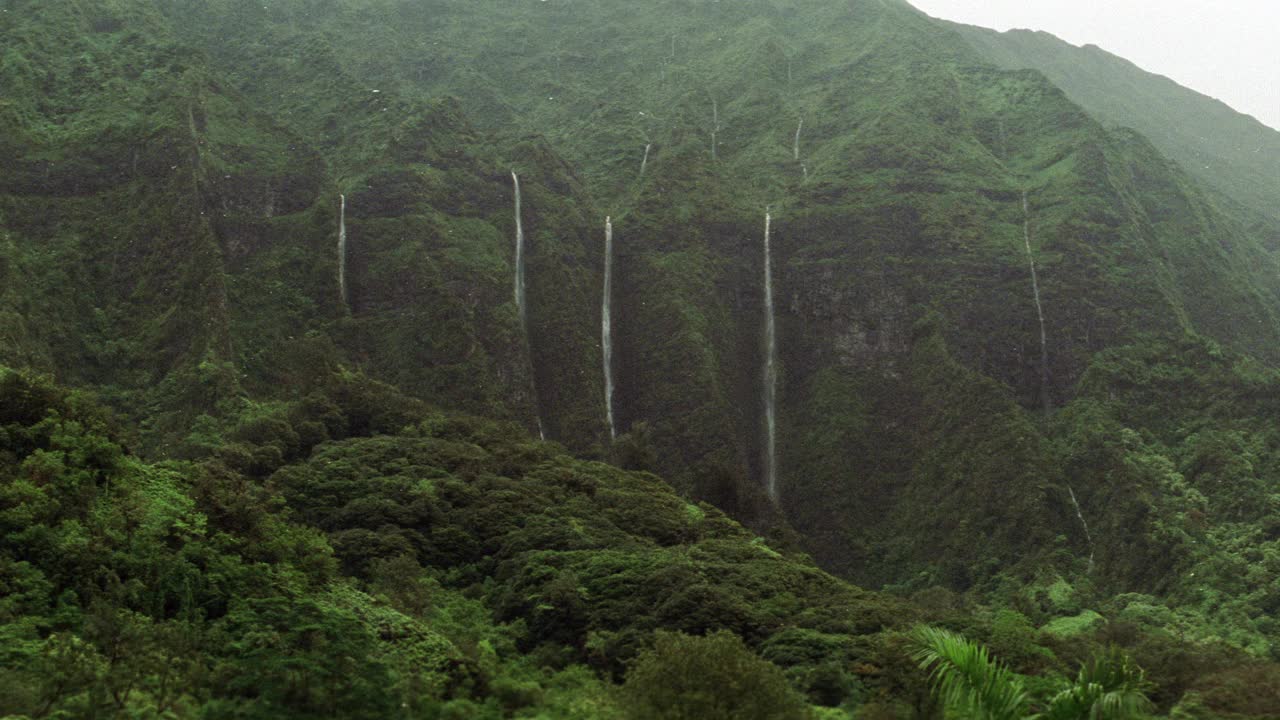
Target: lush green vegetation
{"points": [[358, 552], [1231, 151], [969, 683], [226, 492]]}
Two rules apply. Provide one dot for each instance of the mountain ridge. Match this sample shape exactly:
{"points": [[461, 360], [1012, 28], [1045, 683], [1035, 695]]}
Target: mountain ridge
{"points": [[1242, 165]]}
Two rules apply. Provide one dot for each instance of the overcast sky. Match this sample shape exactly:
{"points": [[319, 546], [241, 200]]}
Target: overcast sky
{"points": [[1228, 49]]}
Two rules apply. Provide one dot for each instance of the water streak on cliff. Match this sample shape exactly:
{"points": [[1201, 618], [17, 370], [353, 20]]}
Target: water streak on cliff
{"points": [[770, 374], [342, 250], [606, 325], [1035, 289], [521, 308]]}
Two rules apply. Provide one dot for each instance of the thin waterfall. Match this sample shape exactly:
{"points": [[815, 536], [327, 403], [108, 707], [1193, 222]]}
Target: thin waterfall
{"points": [[795, 146], [715, 125], [515, 180], [521, 309], [342, 249], [1035, 289], [606, 325], [770, 373], [645, 160], [1083, 524]]}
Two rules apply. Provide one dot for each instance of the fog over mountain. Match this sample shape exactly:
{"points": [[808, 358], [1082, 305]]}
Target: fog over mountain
{"points": [[1224, 50]]}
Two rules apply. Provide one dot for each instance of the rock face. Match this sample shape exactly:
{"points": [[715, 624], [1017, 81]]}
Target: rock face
{"points": [[195, 214], [211, 224]]}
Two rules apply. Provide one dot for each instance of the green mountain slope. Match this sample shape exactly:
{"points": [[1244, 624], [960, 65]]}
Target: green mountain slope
{"points": [[903, 196], [917, 186], [1230, 151], [1023, 355], [201, 234]]}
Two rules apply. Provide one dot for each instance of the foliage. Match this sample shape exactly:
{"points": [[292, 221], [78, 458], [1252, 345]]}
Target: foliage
{"points": [[1107, 686], [969, 683], [715, 677], [287, 510], [966, 680]]}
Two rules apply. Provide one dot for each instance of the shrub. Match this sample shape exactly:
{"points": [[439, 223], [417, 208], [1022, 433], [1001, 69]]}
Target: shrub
{"points": [[687, 677]]}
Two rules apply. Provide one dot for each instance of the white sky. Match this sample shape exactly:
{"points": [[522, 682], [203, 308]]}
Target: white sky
{"points": [[1227, 49]]}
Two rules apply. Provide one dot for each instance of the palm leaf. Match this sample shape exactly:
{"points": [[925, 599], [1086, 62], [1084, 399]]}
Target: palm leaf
{"points": [[966, 680], [1108, 687]]}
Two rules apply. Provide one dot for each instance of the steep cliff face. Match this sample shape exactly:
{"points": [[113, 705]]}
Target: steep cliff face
{"points": [[177, 244], [955, 245]]}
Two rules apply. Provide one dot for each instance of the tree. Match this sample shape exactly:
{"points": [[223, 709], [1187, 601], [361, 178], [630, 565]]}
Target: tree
{"points": [[1108, 686], [714, 677], [970, 684], [966, 681]]}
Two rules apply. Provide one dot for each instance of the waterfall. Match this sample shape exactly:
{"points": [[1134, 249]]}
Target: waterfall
{"points": [[645, 160], [342, 249], [515, 180], [1035, 289], [795, 147], [606, 325], [715, 126], [770, 373], [521, 310], [1083, 524]]}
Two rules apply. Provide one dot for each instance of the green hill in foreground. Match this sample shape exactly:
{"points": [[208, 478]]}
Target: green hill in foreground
{"points": [[364, 556]]}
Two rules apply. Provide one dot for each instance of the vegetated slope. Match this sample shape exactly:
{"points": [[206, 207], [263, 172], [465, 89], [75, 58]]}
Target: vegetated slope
{"points": [[1232, 152], [169, 241], [914, 379], [393, 559], [902, 245]]}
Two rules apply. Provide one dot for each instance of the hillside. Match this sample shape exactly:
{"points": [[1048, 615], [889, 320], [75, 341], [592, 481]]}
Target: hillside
{"points": [[319, 562], [1229, 151], [900, 202], [1024, 361]]}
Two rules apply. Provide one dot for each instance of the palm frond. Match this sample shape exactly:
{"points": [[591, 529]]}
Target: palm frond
{"points": [[1109, 686], [967, 681]]}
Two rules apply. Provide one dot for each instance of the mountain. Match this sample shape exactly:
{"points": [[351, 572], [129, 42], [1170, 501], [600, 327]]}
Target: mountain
{"points": [[1026, 360], [1231, 152], [900, 202], [201, 234]]}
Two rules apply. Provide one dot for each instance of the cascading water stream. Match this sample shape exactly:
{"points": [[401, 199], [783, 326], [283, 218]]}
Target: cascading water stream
{"points": [[1035, 289], [342, 250], [795, 146], [1044, 357], [606, 325], [520, 295], [645, 160], [715, 126], [1083, 524], [770, 373], [519, 289]]}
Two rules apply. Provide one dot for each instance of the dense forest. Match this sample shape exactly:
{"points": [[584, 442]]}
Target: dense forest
{"points": [[606, 359]]}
